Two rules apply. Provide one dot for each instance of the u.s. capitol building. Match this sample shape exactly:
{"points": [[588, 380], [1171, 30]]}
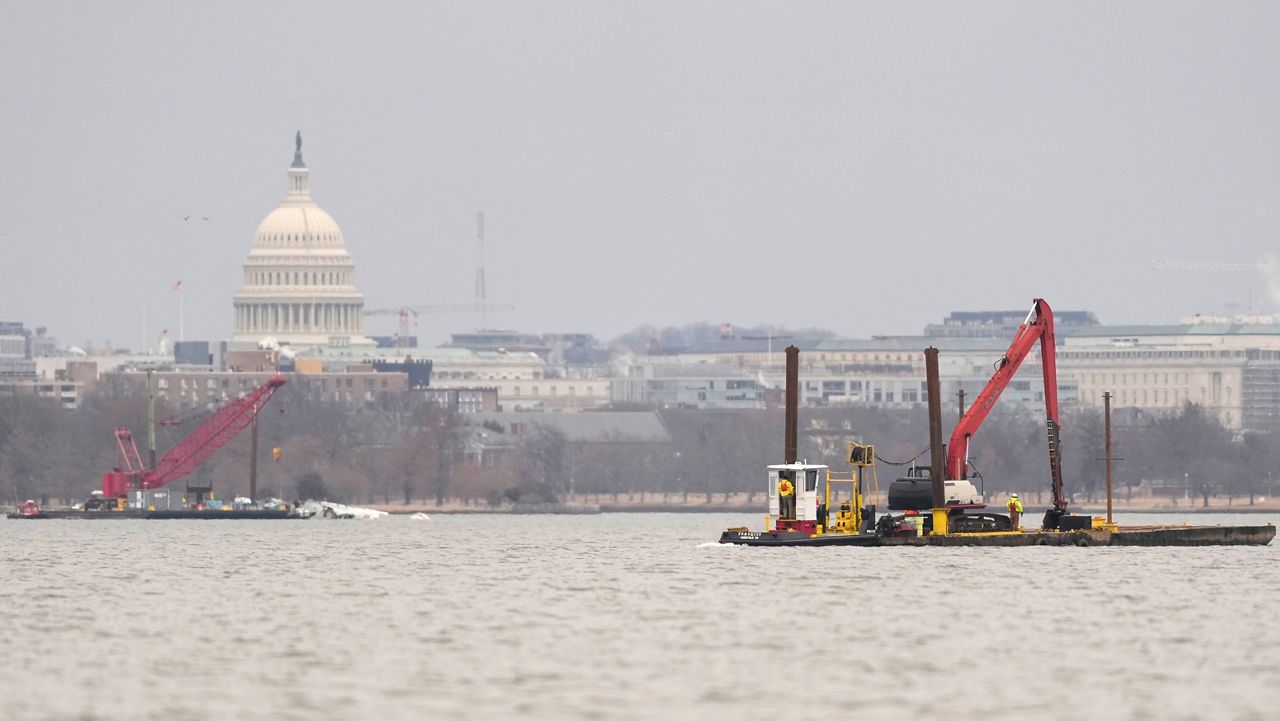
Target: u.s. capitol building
{"points": [[299, 280]]}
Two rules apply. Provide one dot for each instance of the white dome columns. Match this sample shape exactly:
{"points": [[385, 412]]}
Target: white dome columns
{"points": [[316, 317]]}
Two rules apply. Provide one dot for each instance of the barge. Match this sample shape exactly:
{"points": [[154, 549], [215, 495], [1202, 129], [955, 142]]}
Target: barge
{"points": [[1115, 536], [205, 514], [809, 506], [133, 488], [30, 510]]}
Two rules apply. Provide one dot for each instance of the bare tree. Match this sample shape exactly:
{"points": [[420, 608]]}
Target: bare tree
{"points": [[443, 432], [546, 449], [1083, 448]]}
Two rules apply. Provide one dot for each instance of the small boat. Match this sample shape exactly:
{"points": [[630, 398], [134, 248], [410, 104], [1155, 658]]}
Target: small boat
{"points": [[28, 509], [810, 506], [420, 516]]}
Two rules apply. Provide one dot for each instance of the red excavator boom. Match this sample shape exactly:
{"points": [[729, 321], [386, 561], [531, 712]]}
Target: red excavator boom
{"points": [[191, 451], [1037, 327]]}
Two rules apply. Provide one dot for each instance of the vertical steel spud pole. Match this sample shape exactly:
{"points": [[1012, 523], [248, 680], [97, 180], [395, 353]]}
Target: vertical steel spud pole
{"points": [[792, 403], [936, 460]]}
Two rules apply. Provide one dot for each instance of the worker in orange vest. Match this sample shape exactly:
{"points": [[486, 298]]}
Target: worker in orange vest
{"points": [[1015, 511]]}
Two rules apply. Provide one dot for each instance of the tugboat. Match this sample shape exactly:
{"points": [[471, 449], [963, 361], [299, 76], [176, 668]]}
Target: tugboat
{"points": [[802, 495], [29, 509], [804, 498]]}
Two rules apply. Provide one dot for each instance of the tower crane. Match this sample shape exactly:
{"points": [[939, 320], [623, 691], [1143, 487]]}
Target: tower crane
{"points": [[481, 304], [404, 313]]}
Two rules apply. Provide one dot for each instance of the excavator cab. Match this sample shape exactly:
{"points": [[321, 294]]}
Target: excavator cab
{"points": [[914, 492]]}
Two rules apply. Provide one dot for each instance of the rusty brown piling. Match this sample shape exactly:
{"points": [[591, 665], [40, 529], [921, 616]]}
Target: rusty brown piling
{"points": [[1106, 415], [253, 461], [933, 388], [792, 403]]}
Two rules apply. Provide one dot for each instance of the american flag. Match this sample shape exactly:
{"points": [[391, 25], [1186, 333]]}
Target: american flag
{"points": [[176, 287]]}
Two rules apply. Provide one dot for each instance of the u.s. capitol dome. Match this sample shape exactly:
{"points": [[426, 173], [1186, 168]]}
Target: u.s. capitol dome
{"points": [[299, 280]]}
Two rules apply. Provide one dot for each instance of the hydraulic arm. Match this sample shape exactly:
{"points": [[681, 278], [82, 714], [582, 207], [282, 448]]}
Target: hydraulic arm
{"points": [[1037, 327]]}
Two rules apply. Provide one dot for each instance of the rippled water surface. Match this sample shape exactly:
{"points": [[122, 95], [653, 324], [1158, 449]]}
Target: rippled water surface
{"points": [[618, 617]]}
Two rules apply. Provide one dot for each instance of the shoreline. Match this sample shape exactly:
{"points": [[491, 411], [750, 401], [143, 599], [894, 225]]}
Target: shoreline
{"points": [[738, 504], [579, 508]]}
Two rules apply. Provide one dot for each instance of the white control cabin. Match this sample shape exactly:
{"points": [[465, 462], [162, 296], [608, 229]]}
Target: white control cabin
{"points": [[809, 482]]}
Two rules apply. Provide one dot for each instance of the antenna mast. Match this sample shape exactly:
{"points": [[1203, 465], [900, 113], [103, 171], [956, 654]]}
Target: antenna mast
{"points": [[481, 301]]}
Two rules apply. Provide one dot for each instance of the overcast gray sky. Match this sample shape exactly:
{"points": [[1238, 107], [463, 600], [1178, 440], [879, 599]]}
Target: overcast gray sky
{"points": [[865, 167]]}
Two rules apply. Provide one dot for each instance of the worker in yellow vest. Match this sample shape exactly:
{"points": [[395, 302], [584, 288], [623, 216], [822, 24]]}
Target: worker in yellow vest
{"points": [[786, 499], [1015, 511]]}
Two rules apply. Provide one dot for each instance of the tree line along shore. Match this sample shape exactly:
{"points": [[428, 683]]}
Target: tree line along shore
{"points": [[407, 454]]}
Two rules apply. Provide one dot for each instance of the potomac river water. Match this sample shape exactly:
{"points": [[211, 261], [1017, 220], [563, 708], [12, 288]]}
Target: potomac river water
{"points": [[619, 616]]}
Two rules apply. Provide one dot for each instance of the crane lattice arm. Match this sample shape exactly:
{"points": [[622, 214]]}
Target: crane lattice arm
{"points": [[1037, 327], [211, 435]]}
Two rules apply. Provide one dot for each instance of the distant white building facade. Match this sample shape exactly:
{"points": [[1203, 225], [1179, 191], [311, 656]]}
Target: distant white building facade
{"points": [[1230, 369], [299, 281], [876, 372]]}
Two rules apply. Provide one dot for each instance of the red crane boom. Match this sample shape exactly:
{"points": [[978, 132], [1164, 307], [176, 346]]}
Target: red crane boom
{"points": [[191, 451], [1037, 327]]}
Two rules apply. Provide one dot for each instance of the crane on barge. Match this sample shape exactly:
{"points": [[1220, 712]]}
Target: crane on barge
{"points": [[802, 522], [214, 433], [1038, 327]]}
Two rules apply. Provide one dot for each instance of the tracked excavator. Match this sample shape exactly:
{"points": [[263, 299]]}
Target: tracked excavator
{"points": [[913, 494], [1038, 327]]}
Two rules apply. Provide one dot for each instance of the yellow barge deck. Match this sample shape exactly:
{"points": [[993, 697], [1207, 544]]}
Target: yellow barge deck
{"points": [[1114, 536]]}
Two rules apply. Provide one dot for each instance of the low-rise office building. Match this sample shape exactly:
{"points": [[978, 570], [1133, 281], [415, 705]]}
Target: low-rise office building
{"points": [[665, 384], [1232, 370], [885, 372], [523, 380]]}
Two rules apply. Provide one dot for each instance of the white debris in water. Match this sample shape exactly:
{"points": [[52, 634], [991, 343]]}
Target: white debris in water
{"points": [[327, 509]]}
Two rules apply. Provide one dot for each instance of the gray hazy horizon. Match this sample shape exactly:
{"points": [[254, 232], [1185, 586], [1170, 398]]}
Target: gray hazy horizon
{"points": [[862, 167]]}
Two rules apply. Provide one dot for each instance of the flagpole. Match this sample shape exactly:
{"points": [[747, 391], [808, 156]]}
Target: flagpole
{"points": [[182, 313]]}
